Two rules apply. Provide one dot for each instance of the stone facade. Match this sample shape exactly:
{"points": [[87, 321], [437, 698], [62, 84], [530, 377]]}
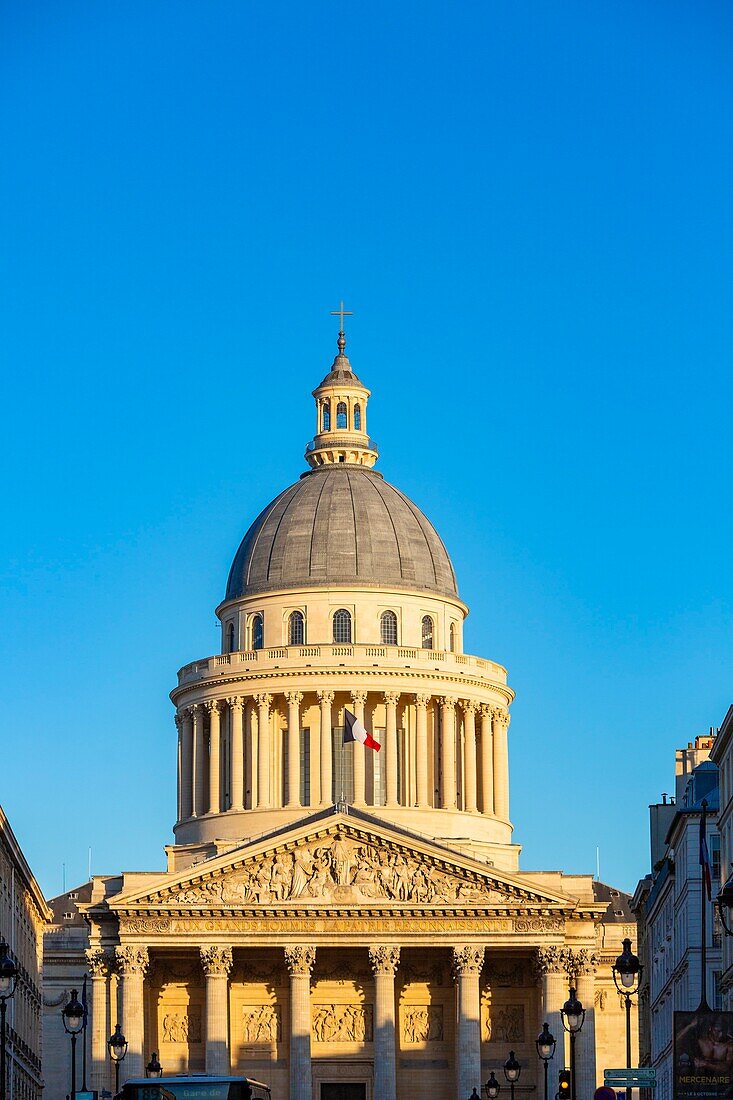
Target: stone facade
{"points": [[23, 916]]}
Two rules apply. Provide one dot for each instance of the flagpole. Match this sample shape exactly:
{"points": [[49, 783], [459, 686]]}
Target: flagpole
{"points": [[703, 914], [84, 1037]]}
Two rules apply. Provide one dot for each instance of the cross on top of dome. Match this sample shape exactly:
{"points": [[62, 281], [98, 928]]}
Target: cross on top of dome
{"points": [[341, 313]]}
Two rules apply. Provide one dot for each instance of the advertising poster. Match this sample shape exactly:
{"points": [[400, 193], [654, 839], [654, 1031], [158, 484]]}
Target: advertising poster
{"points": [[703, 1055]]}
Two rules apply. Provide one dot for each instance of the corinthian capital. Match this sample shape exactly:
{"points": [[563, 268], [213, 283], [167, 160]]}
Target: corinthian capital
{"points": [[448, 703], [132, 960], [294, 698], [325, 696], [467, 960], [470, 706], [212, 706], [422, 700], [486, 710], [501, 717], [391, 697], [359, 695], [579, 962], [216, 961], [384, 960], [263, 699], [549, 960], [300, 960], [99, 962], [179, 721], [235, 702]]}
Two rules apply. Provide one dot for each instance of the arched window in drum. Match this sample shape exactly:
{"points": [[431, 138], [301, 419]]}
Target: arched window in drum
{"points": [[427, 632], [388, 628], [452, 637], [357, 418], [258, 632], [341, 421], [342, 627], [230, 638], [326, 416], [296, 628]]}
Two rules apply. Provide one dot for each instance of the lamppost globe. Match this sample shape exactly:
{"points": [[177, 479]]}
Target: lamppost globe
{"points": [[8, 973], [73, 1014], [117, 1044], [512, 1068], [545, 1043], [492, 1087], [627, 968], [573, 1013], [154, 1068]]}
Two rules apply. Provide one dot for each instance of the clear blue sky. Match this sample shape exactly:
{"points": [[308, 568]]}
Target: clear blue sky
{"points": [[528, 206]]}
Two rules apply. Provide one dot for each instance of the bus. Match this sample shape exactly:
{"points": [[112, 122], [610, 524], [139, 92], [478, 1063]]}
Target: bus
{"points": [[196, 1086]]}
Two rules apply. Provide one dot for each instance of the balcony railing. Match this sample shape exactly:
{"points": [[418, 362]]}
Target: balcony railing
{"points": [[305, 656]]}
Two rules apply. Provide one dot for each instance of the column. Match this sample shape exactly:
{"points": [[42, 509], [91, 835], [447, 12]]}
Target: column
{"points": [[186, 764], [358, 699], [217, 962], [236, 712], [554, 994], [487, 761], [421, 739], [294, 699], [99, 964], [585, 1044], [501, 764], [300, 964], [448, 739], [212, 707], [132, 963], [315, 746], [384, 961], [199, 760], [467, 964], [326, 699], [390, 748], [263, 701], [250, 755], [179, 726], [469, 727]]}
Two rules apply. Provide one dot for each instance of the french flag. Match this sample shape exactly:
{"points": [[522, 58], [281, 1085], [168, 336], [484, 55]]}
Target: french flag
{"points": [[354, 731]]}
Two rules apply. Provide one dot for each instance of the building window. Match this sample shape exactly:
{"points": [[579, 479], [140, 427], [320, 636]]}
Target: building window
{"points": [[326, 416], [341, 415], [342, 627], [452, 637], [296, 628], [357, 418], [258, 632], [388, 628], [230, 638], [427, 632]]}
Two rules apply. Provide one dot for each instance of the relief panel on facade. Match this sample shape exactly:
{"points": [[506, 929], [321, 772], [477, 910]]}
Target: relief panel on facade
{"points": [[503, 1023], [422, 1024], [261, 1024], [181, 1025], [336, 1023]]}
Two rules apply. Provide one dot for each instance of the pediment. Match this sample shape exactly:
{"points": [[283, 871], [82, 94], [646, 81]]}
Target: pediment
{"points": [[342, 862]]}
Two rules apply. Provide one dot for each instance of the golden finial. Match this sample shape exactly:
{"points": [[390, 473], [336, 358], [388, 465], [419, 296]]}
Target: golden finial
{"points": [[341, 313]]}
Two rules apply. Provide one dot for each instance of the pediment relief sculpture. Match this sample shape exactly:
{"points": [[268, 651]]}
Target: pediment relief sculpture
{"points": [[339, 869]]}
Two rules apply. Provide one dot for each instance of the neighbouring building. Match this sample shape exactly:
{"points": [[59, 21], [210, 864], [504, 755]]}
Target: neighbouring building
{"points": [[333, 916], [667, 906], [23, 916], [722, 755]]}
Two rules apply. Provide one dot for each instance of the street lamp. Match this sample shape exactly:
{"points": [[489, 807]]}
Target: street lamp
{"points": [[8, 981], [73, 1016], [627, 979], [154, 1068], [724, 902], [492, 1087], [573, 1015], [512, 1070], [117, 1044], [545, 1043]]}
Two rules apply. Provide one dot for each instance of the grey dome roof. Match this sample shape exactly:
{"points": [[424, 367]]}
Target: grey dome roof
{"points": [[341, 524]]}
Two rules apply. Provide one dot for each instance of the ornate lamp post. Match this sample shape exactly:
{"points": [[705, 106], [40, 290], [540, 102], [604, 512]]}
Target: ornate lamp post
{"points": [[8, 982], [627, 978], [492, 1087], [73, 1016], [546, 1043], [573, 1016], [512, 1070], [117, 1044], [154, 1068]]}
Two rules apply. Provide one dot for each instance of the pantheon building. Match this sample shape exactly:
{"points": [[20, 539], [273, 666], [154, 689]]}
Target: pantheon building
{"points": [[342, 923]]}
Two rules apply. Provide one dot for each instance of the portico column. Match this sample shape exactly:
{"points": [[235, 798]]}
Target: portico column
{"points": [[315, 767], [186, 764], [263, 750], [448, 756], [325, 698], [469, 726], [236, 711], [554, 994], [421, 739], [585, 1044], [501, 764], [487, 761], [132, 963], [294, 699], [358, 699], [217, 962], [390, 748], [199, 760], [384, 961], [99, 965], [467, 964], [300, 962], [212, 707]]}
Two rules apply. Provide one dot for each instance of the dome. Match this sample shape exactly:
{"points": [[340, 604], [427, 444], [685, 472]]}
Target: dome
{"points": [[341, 524]]}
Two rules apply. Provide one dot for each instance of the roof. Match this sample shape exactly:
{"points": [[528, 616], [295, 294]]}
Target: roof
{"points": [[341, 525], [341, 372], [618, 910]]}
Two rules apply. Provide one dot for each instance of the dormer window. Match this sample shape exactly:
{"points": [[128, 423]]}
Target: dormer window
{"points": [[357, 418], [341, 415]]}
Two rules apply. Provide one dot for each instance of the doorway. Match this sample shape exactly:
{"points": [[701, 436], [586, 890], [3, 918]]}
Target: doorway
{"points": [[343, 1091]]}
